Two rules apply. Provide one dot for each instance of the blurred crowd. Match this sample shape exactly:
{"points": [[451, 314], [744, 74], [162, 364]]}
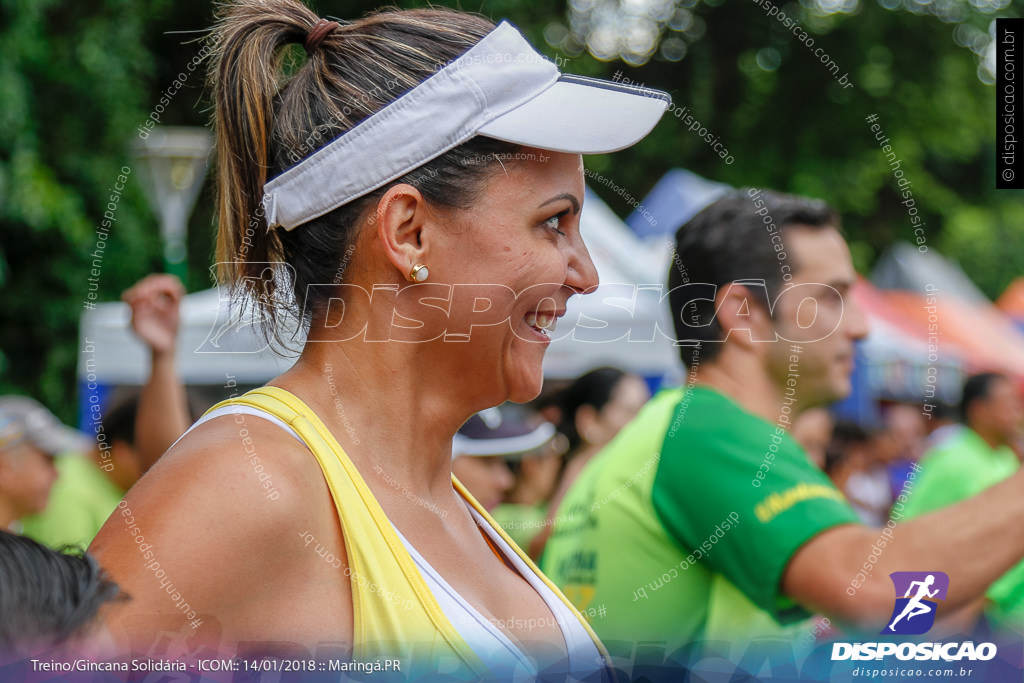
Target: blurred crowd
{"points": [[871, 464]]}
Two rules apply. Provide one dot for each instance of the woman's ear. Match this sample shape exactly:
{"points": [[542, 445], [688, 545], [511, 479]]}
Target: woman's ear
{"points": [[400, 219]]}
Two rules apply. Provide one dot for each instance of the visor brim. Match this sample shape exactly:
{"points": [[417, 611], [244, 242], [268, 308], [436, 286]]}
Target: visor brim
{"points": [[581, 115]]}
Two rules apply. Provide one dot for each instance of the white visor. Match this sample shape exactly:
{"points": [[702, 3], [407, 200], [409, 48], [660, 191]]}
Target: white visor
{"points": [[507, 445], [500, 88]]}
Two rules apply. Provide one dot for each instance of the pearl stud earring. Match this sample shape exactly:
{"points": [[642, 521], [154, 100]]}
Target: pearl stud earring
{"points": [[419, 273]]}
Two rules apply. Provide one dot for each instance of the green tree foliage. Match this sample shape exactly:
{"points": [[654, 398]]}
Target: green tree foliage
{"points": [[791, 126], [73, 83]]}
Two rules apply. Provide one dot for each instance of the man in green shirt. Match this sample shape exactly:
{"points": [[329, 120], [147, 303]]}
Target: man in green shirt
{"points": [[703, 519], [972, 459]]}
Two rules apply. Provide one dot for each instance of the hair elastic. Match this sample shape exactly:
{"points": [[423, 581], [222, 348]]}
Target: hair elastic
{"points": [[318, 33]]}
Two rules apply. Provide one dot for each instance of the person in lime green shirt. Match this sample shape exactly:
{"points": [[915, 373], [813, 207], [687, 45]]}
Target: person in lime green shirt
{"points": [[508, 457], [130, 434], [524, 513], [592, 410], [89, 484], [703, 520], [971, 460], [30, 438]]}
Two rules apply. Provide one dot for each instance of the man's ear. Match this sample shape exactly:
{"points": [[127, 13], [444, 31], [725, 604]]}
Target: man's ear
{"points": [[401, 218], [742, 311]]}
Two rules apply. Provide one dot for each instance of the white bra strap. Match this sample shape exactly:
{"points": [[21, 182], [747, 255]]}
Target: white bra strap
{"points": [[243, 410]]}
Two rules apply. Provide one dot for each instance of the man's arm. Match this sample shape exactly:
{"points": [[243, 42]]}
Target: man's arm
{"points": [[163, 409], [974, 542]]}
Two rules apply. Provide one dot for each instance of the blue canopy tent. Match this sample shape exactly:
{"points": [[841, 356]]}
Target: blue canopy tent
{"points": [[675, 199]]}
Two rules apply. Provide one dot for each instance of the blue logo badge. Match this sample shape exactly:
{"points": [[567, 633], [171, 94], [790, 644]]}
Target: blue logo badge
{"points": [[914, 612]]}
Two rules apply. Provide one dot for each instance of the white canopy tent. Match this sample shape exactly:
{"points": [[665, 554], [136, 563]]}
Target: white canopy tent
{"points": [[621, 323], [212, 345], [904, 266]]}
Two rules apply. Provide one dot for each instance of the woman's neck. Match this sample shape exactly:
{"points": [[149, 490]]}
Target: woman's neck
{"points": [[390, 406]]}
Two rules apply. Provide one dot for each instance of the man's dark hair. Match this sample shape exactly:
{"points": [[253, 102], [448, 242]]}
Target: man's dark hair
{"points": [[733, 239], [119, 422], [977, 388], [47, 596], [845, 435]]}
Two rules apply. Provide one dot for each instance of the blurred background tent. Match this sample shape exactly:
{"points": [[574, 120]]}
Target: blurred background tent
{"points": [[220, 351], [625, 322], [79, 81], [676, 198], [1011, 301]]}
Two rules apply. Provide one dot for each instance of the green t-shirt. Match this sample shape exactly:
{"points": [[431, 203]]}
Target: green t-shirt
{"points": [[81, 499], [521, 522], [961, 467], [671, 536]]}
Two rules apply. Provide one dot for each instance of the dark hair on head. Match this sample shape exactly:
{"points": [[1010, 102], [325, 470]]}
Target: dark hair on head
{"points": [[738, 237], [942, 411], [593, 388], [977, 388], [845, 435], [272, 109], [47, 596], [119, 421]]}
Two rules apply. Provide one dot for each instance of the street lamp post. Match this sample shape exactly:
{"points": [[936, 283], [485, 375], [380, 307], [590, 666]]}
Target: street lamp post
{"points": [[172, 162]]}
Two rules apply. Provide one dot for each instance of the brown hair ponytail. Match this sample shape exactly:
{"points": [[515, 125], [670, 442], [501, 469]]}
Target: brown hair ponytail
{"points": [[245, 76], [266, 121]]}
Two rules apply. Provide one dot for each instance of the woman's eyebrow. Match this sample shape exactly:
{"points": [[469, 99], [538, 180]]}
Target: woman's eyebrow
{"points": [[565, 195]]}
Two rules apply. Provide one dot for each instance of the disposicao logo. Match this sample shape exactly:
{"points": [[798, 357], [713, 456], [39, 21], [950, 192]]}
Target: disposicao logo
{"points": [[914, 613], [917, 594]]}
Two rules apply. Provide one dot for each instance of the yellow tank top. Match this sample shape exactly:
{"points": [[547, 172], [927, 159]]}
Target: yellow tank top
{"points": [[394, 613]]}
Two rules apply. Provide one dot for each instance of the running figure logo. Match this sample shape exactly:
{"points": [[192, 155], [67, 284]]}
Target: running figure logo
{"points": [[914, 613]]}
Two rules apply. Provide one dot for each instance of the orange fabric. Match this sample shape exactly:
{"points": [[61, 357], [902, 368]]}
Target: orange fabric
{"points": [[1011, 301], [981, 335]]}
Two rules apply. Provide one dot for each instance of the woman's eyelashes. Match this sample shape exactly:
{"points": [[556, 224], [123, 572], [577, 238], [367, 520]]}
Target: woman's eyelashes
{"points": [[555, 221]]}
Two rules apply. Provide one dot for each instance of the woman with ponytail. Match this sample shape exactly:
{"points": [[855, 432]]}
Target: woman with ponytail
{"points": [[407, 187]]}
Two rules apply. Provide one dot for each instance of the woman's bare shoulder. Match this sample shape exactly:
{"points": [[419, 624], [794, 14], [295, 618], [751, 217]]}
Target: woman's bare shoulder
{"points": [[221, 511]]}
